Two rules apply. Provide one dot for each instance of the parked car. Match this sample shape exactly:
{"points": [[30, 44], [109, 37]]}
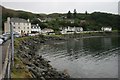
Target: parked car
{"points": [[1, 41], [5, 38], [16, 34], [2, 37]]}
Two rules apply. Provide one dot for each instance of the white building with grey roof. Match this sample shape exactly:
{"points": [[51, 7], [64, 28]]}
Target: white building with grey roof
{"points": [[71, 30], [35, 29], [106, 28], [19, 25]]}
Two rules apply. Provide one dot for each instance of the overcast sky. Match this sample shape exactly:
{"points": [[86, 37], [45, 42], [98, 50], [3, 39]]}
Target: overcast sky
{"points": [[63, 6]]}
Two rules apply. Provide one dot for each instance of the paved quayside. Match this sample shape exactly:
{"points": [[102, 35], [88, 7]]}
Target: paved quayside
{"points": [[3, 58]]}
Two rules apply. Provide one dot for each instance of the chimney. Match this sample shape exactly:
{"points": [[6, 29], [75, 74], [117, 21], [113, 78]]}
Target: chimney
{"points": [[8, 19], [8, 23], [28, 20], [37, 24]]}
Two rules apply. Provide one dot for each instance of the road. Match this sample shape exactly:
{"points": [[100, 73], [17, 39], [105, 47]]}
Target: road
{"points": [[3, 51]]}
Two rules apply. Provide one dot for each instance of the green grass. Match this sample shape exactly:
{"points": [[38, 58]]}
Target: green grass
{"points": [[21, 71], [52, 35]]}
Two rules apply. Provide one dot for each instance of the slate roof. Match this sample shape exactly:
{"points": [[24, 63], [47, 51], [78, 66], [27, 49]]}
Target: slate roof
{"points": [[35, 26], [19, 20]]}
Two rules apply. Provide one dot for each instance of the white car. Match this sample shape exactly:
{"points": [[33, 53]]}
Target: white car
{"points": [[1, 41]]}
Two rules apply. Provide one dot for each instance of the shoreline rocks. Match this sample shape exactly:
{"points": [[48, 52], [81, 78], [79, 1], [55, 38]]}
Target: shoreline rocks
{"points": [[36, 64]]}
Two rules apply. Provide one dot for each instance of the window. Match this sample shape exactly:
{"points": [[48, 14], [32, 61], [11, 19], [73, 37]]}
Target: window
{"points": [[27, 27], [27, 31], [24, 27], [18, 27], [14, 27]]}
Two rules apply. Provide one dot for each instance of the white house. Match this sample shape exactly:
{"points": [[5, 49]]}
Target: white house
{"points": [[46, 31], [78, 29], [35, 29], [67, 30], [71, 30], [19, 25], [106, 28]]}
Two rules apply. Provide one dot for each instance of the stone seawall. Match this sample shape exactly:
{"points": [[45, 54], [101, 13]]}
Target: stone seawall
{"points": [[25, 50]]}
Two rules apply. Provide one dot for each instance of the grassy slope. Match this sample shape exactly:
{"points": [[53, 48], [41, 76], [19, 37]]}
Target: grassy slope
{"points": [[19, 70]]}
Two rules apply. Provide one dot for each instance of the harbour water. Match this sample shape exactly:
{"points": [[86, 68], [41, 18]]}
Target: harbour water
{"points": [[90, 57]]}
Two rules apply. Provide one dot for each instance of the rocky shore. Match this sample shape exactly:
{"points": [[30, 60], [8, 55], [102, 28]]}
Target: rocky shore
{"points": [[25, 50], [37, 67]]}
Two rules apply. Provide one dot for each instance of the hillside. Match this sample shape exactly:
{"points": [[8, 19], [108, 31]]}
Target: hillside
{"points": [[93, 21]]}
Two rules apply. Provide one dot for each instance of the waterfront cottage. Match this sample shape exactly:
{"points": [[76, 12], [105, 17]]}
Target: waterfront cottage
{"points": [[19, 25], [35, 29], [71, 30], [106, 28], [47, 31], [67, 30], [78, 29]]}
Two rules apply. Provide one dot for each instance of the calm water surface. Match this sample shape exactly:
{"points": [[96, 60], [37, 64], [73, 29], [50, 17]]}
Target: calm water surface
{"points": [[94, 57]]}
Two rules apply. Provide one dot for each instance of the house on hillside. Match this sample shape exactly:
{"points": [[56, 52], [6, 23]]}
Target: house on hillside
{"points": [[106, 28], [82, 21], [47, 31], [19, 25], [41, 20]]}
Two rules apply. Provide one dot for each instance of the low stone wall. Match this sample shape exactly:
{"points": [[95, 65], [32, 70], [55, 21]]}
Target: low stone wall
{"points": [[25, 50], [88, 34]]}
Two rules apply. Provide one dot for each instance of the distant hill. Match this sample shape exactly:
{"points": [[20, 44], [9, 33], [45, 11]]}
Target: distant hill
{"points": [[17, 13], [94, 20]]}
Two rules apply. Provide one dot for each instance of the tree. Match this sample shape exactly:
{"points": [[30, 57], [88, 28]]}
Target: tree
{"points": [[75, 13], [25, 15], [35, 21], [69, 15], [86, 12]]}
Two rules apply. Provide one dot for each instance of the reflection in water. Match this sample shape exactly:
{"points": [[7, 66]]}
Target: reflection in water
{"points": [[86, 57], [107, 43]]}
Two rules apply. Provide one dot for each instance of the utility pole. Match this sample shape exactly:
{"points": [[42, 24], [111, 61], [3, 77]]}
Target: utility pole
{"points": [[12, 44], [11, 54]]}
